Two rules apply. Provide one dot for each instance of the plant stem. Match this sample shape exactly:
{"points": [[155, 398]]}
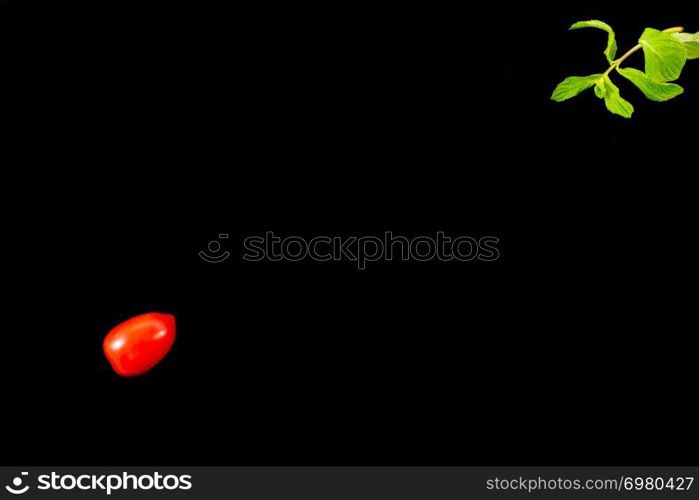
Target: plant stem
{"points": [[621, 59], [676, 29], [617, 62]]}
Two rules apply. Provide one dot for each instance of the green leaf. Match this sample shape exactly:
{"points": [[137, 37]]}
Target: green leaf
{"points": [[665, 55], [614, 102], [653, 89], [610, 51], [599, 90], [690, 42], [572, 86]]}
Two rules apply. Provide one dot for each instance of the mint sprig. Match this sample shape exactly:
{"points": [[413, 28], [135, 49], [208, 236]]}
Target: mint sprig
{"points": [[665, 52]]}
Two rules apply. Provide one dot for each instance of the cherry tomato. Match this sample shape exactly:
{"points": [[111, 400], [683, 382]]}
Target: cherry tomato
{"points": [[138, 344]]}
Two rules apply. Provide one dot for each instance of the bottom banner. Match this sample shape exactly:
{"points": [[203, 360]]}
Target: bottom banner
{"points": [[365, 483]]}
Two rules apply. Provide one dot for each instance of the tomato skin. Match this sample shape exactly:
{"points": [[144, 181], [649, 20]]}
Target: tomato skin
{"points": [[139, 343]]}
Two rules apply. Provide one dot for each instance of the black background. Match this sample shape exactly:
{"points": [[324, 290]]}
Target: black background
{"points": [[135, 132]]}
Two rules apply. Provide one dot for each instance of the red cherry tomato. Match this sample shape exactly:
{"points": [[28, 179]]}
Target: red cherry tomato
{"points": [[138, 344]]}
